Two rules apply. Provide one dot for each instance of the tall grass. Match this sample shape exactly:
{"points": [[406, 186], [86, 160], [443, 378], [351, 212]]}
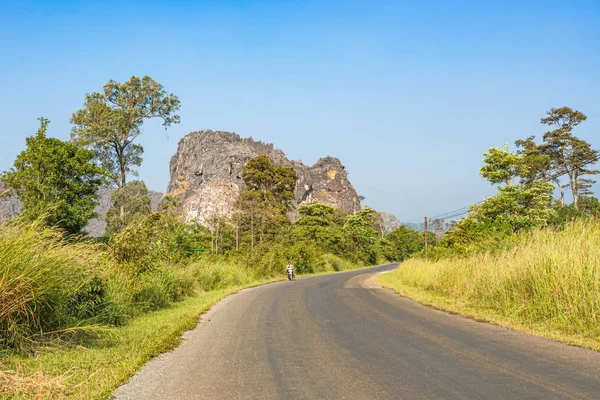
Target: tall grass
{"points": [[51, 286], [550, 280], [40, 275]]}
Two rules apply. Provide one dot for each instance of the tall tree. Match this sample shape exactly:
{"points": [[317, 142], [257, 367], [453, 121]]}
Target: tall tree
{"points": [[267, 197], [134, 200], [570, 155], [522, 207], [536, 161], [109, 122], [323, 225], [360, 228], [404, 242], [277, 182], [501, 165], [386, 222], [56, 180]]}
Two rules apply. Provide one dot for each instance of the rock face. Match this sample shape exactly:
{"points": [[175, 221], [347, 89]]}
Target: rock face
{"points": [[9, 206], [206, 175]]}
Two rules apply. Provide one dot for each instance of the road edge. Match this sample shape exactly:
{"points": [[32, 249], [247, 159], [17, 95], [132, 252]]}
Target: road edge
{"points": [[446, 305]]}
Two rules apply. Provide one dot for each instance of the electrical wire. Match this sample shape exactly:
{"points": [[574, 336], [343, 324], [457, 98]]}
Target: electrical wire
{"points": [[465, 210]]}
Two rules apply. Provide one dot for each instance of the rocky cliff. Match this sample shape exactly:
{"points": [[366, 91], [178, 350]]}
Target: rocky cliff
{"points": [[206, 175], [9, 206]]}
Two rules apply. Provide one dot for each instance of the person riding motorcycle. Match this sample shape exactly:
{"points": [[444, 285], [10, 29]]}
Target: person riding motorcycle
{"points": [[290, 271]]}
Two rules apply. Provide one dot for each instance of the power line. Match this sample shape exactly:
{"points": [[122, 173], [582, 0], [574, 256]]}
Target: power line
{"points": [[464, 210]]}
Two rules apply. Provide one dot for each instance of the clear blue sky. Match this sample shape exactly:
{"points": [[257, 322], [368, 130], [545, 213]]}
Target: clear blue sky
{"points": [[408, 94]]}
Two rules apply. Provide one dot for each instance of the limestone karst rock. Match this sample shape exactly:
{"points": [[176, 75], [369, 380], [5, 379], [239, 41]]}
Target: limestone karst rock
{"points": [[9, 205], [206, 175]]}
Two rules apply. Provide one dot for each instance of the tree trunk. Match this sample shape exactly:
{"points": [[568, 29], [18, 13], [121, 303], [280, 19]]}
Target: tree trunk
{"points": [[575, 193], [237, 233], [120, 156], [561, 191], [251, 231]]}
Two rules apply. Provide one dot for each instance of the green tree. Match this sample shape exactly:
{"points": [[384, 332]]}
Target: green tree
{"points": [[501, 165], [404, 242], [536, 161], [277, 183], [322, 225], [360, 228], [267, 197], [109, 122], [570, 155], [57, 180], [522, 207], [135, 202]]}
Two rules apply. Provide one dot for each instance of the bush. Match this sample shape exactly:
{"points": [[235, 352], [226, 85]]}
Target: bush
{"points": [[160, 287], [336, 263], [214, 275], [306, 258]]}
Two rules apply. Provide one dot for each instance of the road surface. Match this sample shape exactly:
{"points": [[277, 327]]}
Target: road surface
{"points": [[340, 336]]}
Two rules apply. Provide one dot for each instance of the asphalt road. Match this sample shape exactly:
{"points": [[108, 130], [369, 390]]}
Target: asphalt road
{"points": [[341, 337]]}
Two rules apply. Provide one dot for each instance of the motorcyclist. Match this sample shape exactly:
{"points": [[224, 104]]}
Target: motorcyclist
{"points": [[290, 269]]}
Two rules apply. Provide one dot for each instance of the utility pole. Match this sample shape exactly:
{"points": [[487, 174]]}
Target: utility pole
{"points": [[425, 234]]}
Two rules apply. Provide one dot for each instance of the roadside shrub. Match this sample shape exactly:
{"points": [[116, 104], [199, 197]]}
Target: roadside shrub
{"points": [[267, 259], [212, 275], [306, 257], [160, 287], [336, 263]]}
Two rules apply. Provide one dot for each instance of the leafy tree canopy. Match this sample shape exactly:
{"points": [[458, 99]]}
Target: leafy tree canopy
{"points": [[128, 204], [523, 207], [322, 224], [277, 182], [570, 155], [109, 122], [501, 165], [404, 242], [57, 180]]}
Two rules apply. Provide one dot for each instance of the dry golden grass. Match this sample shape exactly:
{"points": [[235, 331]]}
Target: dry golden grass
{"points": [[548, 284], [16, 383]]}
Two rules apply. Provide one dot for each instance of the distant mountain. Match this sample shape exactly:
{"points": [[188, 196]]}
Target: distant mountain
{"points": [[10, 206]]}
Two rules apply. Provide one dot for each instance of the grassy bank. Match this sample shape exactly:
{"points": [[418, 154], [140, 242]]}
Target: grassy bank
{"points": [[92, 366], [94, 370], [548, 284]]}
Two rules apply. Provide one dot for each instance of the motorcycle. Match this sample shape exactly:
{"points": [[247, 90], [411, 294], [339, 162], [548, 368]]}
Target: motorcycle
{"points": [[290, 275]]}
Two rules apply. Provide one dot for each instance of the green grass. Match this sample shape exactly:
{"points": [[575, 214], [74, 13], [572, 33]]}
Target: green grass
{"points": [[95, 370], [40, 275], [548, 284]]}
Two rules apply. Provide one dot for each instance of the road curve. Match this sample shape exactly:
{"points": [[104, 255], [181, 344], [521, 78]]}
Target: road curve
{"points": [[339, 336]]}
